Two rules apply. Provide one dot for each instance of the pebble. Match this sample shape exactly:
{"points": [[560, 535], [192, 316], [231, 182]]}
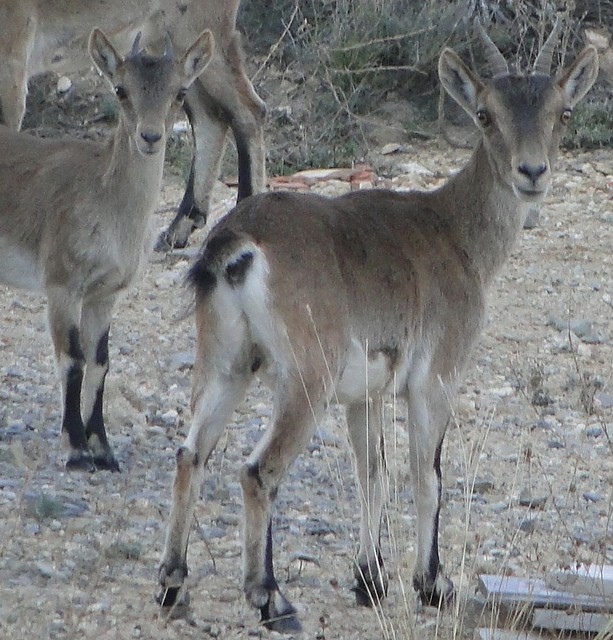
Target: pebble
{"points": [[591, 496]]}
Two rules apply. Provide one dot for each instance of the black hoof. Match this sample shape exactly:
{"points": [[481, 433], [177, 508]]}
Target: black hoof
{"points": [[368, 594], [279, 615], [370, 585], [172, 597], [80, 461], [163, 243], [198, 220], [107, 462], [439, 594]]}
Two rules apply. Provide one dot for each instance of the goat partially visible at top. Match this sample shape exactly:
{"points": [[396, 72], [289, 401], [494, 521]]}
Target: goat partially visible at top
{"points": [[346, 299], [75, 223], [51, 35]]}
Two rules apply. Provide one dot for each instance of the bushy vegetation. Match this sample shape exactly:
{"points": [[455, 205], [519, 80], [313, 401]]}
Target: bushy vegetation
{"points": [[363, 51]]}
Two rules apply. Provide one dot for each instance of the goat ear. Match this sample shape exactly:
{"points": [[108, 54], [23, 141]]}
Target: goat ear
{"points": [[198, 56], [103, 54], [459, 81], [577, 80]]}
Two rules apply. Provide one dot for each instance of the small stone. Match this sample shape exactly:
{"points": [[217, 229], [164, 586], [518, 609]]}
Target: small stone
{"points": [[528, 525], [45, 569], [533, 502], [593, 432], [592, 496], [64, 85], [556, 444], [391, 147], [170, 417]]}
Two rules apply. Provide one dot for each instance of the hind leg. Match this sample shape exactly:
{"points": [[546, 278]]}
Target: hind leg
{"points": [[222, 371], [289, 433], [364, 420], [216, 401]]}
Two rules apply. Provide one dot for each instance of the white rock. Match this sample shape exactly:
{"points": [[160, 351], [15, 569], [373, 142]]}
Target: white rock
{"points": [[64, 85]]}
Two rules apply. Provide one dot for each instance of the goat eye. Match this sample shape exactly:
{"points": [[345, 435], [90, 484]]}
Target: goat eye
{"points": [[483, 117], [565, 117], [181, 94], [121, 93]]}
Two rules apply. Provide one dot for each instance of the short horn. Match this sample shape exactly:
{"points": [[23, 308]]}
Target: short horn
{"points": [[495, 59], [168, 48], [135, 45], [542, 64]]}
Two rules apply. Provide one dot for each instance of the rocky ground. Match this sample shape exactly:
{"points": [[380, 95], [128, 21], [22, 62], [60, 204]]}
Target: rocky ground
{"points": [[528, 460]]}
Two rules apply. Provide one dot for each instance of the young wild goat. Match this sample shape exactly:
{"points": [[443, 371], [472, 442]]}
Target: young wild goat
{"points": [[51, 35], [346, 299], [74, 222]]}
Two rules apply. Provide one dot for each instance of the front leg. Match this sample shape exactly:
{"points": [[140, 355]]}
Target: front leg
{"points": [[428, 421], [209, 129], [95, 326], [64, 311], [364, 420]]}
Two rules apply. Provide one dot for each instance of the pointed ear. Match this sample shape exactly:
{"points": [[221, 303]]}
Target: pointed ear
{"points": [[577, 79], [103, 54], [459, 81], [198, 56]]}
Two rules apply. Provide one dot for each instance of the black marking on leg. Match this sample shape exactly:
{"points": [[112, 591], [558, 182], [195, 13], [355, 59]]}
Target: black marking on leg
{"points": [[253, 471], [427, 587], [245, 173], [237, 271], [79, 458], [74, 344], [270, 582], [256, 364], [278, 614], [102, 351]]}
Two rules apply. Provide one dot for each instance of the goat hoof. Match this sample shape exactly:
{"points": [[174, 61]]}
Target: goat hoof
{"points": [[163, 243], [80, 461], [173, 597], [440, 593], [279, 615], [198, 221], [370, 585], [107, 462], [368, 594]]}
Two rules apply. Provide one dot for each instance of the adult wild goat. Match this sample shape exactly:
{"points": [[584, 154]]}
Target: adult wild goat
{"points": [[74, 223], [345, 299], [51, 35]]}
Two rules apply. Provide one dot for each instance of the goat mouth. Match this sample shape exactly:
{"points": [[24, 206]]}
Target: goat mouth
{"points": [[529, 195], [150, 150]]}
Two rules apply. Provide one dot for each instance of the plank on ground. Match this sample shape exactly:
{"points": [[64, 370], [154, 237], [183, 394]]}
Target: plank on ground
{"points": [[536, 592], [591, 579], [504, 634], [556, 620]]}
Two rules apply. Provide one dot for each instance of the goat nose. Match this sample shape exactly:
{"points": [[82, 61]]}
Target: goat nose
{"points": [[150, 137], [534, 172]]}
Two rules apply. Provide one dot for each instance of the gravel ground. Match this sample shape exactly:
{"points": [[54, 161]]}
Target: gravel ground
{"points": [[528, 462]]}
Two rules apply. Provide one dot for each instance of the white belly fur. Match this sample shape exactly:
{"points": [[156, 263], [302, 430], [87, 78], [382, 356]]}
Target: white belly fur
{"points": [[363, 375]]}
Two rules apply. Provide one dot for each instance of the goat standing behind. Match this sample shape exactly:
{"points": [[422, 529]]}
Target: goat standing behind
{"points": [[74, 223], [51, 35], [346, 299]]}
